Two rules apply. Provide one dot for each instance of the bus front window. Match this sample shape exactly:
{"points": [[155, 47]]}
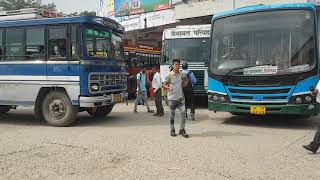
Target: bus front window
{"points": [[99, 43], [196, 50], [285, 43], [117, 43]]}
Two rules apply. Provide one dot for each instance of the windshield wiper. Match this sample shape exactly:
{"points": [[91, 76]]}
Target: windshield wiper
{"points": [[188, 60], [231, 70]]}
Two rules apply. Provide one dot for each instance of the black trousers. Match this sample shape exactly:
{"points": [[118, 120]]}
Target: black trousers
{"points": [[316, 139], [189, 97], [158, 101]]}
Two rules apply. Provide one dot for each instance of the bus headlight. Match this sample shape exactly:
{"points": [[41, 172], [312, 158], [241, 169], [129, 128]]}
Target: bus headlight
{"points": [[303, 99], [298, 100], [94, 87], [308, 98], [214, 97]]}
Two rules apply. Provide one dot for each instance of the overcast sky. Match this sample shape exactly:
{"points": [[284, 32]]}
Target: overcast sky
{"points": [[70, 6]]}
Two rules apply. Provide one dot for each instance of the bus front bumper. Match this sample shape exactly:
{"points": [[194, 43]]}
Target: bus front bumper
{"points": [[103, 100], [293, 109]]}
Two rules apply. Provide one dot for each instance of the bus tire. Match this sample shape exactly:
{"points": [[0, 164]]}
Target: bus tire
{"points": [[37, 110], [57, 109], [100, 112], [5, 109]]}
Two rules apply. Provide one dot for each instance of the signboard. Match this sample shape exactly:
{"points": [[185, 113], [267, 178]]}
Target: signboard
{"points": [[110, 8], [131, 24], [131, 7], [159, 18], [260, 70], [177, 33], [153, 19]]}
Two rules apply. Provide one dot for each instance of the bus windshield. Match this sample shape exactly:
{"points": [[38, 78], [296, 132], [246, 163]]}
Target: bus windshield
{"points": [[272, 42], [104, 44], [195, 50]]}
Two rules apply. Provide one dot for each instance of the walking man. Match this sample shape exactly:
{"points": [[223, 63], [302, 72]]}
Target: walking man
{"points": [[189, 80], [315, 144], [141, 89], [173, 84], [157, 86]]}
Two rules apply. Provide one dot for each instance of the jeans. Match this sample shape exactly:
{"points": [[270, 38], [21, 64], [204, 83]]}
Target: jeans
{"points": [[177, 104], [158, 101], [141, 95]]}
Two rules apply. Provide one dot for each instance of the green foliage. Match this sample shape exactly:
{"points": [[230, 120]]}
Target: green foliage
{"points": [[84, 13], [9, 5], [87, 13]]}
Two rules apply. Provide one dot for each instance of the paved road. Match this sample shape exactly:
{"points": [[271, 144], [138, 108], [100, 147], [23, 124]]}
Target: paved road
{"points": [[138, 146]]}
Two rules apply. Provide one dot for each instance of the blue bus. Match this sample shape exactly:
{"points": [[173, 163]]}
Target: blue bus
{"points": [[62, 66], [264, 60]]}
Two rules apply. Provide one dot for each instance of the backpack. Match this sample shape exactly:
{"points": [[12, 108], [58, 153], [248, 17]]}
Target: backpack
{"points": [[186, 82]]}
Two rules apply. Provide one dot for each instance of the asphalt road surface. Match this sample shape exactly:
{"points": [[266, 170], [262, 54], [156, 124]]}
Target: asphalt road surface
{"points": [[125, 145]]}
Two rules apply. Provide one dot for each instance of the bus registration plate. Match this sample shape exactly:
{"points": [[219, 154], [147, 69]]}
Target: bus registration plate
{"points": [[116, 98], [259, 110]]}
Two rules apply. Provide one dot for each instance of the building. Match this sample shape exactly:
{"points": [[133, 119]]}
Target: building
{"points": [[147, 28]]}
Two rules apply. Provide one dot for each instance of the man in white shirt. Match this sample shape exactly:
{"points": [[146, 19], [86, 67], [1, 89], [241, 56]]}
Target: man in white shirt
{"points": [[157, 86], [315, 144]]}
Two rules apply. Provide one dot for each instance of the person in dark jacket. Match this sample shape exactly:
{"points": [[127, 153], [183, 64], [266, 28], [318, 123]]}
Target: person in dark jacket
{"points": [[188, 90], [315, 144]]}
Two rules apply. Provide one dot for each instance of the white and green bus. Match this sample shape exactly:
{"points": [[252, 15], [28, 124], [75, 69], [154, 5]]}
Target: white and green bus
{"points": [[190, 44]]}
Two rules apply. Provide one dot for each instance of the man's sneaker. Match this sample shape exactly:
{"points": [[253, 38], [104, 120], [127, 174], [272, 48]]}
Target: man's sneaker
{"points": [[183, 133], [160, 115], [173, 133], [135, 111], [311, 148], [150, 111], [156, 114]]}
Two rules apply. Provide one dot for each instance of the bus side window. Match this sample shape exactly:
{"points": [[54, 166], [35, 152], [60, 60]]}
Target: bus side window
{"points": [[1, 45], [35, 43], [57, 43], [74, 41], [15, 44]]}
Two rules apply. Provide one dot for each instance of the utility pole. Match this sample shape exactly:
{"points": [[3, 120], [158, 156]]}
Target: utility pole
{"points": [[234, 4]]}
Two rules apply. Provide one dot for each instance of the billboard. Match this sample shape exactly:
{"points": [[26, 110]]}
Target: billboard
{"points": [[110, 8], [131, 7]]}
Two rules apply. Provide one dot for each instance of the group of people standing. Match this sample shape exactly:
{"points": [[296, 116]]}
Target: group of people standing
{"points": [[179, 87]]}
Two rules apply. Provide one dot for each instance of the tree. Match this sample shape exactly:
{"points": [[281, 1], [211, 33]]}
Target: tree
{"points": [[87, 13], [9, 5], [84, 13], [50, 7]]}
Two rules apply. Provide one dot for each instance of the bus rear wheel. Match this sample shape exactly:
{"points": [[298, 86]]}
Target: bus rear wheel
{"points": [[5, 109], [57, 109], [100, 112]]}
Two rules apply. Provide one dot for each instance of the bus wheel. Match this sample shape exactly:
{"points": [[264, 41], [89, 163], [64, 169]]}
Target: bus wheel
{"points": [[100, 112], [5, 109], [58, 110]]}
